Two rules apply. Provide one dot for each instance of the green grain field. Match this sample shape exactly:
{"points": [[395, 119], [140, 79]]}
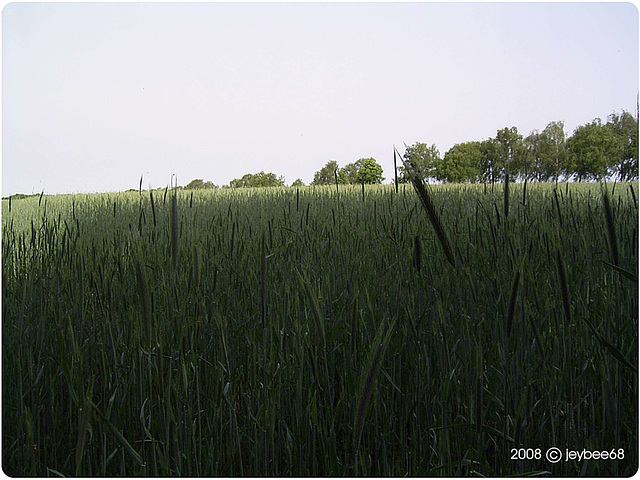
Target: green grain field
{"points": [[316, 332]]}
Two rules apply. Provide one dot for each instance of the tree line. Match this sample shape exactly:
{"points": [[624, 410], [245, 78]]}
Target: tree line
{"points": [[594, 151]]}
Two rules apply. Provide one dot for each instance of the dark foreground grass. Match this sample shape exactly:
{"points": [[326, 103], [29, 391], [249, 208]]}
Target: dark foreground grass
{"points": [[313, 332]]}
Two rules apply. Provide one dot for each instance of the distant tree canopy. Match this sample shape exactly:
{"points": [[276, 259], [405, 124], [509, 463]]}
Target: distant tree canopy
{"points": [[259, 179], [420, 158], [461, 163], [327, 174], [595, 150], [364, 170], [199, 184]]}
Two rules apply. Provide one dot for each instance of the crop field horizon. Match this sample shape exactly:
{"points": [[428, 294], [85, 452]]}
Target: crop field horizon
{"points": [[316, 331]]}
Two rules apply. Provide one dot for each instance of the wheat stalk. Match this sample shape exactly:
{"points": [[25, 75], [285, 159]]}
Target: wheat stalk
{"points": [[430, 208], [174, 230], [380, 343], [611, 230]]}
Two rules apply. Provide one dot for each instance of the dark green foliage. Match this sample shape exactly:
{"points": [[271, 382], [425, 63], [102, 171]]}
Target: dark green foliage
{"points": [[327, 174], [594, 151], [358, 365], [259, 179], [199, 184], [461, 163], [425, 161], [364, 171]]}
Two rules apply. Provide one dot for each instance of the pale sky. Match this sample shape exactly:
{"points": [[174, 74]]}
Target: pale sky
{"points": [[94, 95]]}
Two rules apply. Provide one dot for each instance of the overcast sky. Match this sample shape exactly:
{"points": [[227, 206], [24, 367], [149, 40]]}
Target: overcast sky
{"points": [[96, 95]]}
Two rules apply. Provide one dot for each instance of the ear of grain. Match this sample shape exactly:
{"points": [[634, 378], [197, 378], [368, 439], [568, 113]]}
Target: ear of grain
{"points": [[153, 208], [506, 194], [395, 168], [417, 253], [430, 208]]}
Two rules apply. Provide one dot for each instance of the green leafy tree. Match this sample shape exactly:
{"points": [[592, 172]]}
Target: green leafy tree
{"points": [[553, 151], [490, 169], [365, 170], [260, 179], [326, 175], [348, 174], [626, 128], [461, 163], [196, 184], [547, 152], [591, 148], [424, 159], [297, 183], [369, 171], [199, 184], [512, 153], [533, 147]]}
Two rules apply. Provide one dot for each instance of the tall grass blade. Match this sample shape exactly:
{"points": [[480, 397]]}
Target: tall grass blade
{"points": [[83, 425], [555, 196], [315, 309], [118, 434], [625, 273], [611, 230], [174, 230], [369, 376], [196, 267], [144, 301], [617, 354], [564, 288], [512, 303], [263, 281]]}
